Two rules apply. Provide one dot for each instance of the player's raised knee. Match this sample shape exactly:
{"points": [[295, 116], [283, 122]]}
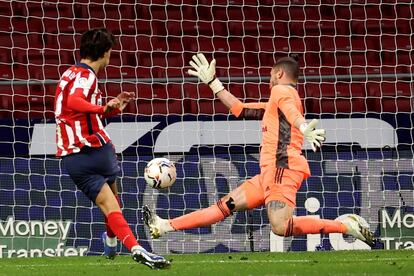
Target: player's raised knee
{"points": [[279, 228]]}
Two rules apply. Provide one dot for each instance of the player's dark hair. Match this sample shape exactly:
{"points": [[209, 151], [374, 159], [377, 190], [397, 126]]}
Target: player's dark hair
{"points": [[290, 65], [95, 43]]}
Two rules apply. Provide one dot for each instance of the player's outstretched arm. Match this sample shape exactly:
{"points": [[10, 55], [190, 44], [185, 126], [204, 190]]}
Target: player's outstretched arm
{"points": [[77, 102], [206, 72]]}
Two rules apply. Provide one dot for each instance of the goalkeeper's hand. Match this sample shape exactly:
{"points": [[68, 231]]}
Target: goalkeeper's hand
{"points": [[314, 136], [206, 72]]}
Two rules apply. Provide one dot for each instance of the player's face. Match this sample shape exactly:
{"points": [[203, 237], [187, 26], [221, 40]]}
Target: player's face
{"points": [[275, 75], [106, 58]]}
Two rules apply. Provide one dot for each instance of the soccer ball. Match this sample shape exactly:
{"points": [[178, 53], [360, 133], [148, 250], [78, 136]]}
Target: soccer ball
{"points": [[160, 173]]}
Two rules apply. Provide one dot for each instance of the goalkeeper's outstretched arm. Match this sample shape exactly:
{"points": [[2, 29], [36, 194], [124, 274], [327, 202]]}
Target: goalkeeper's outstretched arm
{"points": [[206, 72], [240, 109]]}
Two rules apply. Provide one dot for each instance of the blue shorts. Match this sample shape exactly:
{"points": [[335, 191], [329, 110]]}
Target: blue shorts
{"points": [[91, 168]]}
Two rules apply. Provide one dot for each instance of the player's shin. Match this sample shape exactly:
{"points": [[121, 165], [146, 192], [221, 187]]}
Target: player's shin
{"points": [[297, 226], [204, 217], [119, 226], [109, 232]]}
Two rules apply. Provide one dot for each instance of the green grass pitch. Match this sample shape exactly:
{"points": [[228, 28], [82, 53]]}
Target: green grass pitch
{"points": [[293, 263]]}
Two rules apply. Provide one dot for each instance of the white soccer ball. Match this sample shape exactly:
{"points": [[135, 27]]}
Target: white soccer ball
{"points": [[160, 173]]}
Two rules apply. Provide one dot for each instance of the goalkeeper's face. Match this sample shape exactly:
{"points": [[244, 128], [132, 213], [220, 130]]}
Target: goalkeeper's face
{"points": [[275, 76]]}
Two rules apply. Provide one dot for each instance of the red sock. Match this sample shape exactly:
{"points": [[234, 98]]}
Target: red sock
{"points": [[203, 217], [109, 231], [298, 226], [119, 226]]}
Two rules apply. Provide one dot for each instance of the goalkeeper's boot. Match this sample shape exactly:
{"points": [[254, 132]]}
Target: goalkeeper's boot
{"points": [[358, 230], [109, 249], [139, 254], [154, 222]]}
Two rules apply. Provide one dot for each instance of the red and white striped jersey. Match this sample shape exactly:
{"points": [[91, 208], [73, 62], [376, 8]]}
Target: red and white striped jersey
{"points": [[78, 111]]}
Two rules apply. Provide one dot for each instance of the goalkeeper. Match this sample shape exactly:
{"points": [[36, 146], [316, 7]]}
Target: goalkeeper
{"points": [[282, 165]]}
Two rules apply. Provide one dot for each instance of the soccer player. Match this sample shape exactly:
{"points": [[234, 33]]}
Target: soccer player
{"points": [[85, 147], [282, 165]]}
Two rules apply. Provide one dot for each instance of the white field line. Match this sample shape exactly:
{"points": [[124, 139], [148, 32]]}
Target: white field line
{"points": [[231, 261]]}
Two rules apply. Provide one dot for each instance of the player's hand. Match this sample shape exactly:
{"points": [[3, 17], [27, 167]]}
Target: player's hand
{"points": [[112, 104], [314, 136], [206, 72], [124, 98]]}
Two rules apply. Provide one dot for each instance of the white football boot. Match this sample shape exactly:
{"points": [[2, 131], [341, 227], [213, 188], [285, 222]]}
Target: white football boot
{"points": [[357, 229], [158, 226]]}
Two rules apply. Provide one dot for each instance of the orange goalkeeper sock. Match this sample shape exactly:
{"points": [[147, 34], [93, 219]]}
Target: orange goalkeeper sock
{"points": [[203, 217], [121, 229], [298, 226], [109, 231]]}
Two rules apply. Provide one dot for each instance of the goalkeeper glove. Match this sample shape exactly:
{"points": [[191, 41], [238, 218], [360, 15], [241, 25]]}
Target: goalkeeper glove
{"points": [[314, 136], [206, 72]]}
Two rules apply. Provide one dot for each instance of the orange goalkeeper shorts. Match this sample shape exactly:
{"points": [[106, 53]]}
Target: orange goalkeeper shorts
{"points": [[273, 184]]}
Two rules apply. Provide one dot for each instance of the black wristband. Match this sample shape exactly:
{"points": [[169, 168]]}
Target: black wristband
{"points": [[212, 80]]}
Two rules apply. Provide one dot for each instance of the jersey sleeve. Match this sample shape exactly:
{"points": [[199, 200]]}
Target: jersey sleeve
{"points": [[248, 110], [286, 102], [77, 98], [77, 102]]}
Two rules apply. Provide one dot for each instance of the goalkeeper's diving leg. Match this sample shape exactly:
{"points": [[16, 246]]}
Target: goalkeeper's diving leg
{"points": [[244, 197], [284, 224], [280, 204]]}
